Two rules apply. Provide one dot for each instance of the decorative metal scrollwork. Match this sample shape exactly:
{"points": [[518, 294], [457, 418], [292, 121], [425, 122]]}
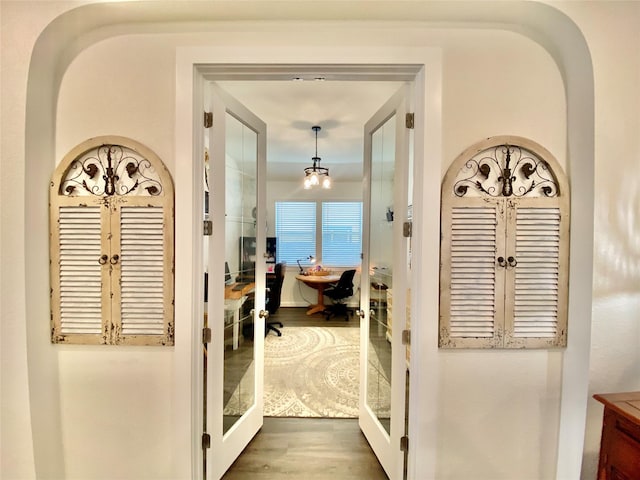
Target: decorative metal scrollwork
{"points": [[111, 170], [504, 171]]}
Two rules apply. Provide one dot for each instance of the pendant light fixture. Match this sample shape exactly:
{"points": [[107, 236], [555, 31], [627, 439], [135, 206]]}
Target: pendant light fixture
{"points": [[316, 175]]}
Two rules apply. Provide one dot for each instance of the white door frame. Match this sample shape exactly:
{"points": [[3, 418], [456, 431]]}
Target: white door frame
{"points": [[386, 444], [195, 66]]}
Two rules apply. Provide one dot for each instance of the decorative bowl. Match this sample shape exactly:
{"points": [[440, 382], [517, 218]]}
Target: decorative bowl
{"points": [[319, 273]]}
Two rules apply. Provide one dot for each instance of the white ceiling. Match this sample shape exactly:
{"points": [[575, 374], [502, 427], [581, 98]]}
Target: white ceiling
{"points": [[291, 108]]}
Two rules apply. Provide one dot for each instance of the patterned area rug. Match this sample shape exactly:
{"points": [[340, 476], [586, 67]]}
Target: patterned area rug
{"points": [[312, 372]]}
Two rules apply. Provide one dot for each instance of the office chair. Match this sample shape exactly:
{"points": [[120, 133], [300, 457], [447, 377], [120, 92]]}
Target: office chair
{"points": [[274, 294], [340, 292]]}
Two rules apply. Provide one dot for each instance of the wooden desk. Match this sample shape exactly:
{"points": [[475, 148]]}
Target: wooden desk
{"points": [[233, 300], [230, 293], [620, 444], [319, 282]]}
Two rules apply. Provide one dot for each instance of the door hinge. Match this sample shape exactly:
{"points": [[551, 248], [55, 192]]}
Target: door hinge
{"points": [[208, 228], [404, 443], [406, 337], [407, 229], [208, 119], [206, 335], [410, 120], [206, 441]]}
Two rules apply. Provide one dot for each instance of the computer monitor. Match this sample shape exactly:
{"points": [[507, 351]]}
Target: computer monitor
{"points": [[227, 274]]}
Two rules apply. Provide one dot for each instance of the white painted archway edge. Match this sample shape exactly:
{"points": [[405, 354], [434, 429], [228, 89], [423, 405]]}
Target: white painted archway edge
{"points": [[81, 27]]}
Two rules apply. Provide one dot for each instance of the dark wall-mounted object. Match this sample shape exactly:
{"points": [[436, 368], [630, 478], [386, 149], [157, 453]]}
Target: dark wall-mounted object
{"points": [[248, 254], [389, 214]]}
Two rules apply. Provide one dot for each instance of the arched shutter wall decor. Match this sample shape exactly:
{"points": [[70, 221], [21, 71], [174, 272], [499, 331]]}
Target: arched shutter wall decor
{"points": [[112, 245], [504, 247]]}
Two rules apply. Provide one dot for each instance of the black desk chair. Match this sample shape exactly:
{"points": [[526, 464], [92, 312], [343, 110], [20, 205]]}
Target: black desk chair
{"points": [[274, 294], [338, 294]]}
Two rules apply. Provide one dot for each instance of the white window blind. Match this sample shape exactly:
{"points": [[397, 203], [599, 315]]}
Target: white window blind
{"points": [[341, 233], [295, 231]]}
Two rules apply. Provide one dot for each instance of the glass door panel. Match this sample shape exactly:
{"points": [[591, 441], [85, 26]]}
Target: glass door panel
{"points": [[240, 224], [234, 358], [381, 271]]}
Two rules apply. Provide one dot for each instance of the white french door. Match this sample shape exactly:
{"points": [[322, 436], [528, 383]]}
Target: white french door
{"points": [[233, 360], [383, 365]]}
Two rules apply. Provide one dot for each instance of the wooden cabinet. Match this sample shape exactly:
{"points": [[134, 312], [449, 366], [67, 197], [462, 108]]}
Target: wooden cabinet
{"points": [[620, 444]]}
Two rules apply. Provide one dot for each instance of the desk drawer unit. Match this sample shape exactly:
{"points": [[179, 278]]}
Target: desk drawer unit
{"points": [[620, 444]]}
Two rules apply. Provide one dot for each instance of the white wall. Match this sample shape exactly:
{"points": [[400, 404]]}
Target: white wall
{"points": [[489, 88], [497, 411], [615, 352], [492, 87], [115, 402]]}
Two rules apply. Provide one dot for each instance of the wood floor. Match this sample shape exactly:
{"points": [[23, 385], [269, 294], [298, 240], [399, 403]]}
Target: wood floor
{"points": [[297, 317], [309, 449]]}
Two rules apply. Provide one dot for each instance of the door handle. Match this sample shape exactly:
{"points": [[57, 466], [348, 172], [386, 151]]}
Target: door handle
{"points": [[360, 313], [263, 314]]}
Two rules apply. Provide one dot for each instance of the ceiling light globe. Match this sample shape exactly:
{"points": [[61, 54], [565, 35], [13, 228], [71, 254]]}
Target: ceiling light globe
{"points": [[307, 183], [314, 179], [326, 183]]}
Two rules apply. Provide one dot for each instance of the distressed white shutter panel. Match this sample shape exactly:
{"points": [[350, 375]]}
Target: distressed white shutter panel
{"points": [[469, 300], [112, 244], [536, 313], [143, 295], [78, 275], [504, 248]]}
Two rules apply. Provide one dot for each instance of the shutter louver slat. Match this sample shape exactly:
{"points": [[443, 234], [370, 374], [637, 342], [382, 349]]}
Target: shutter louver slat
{"points": [[142, 283], [79, 271], [536, 279], [472, 305]]}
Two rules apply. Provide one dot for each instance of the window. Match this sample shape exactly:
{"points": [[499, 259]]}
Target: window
{"points": [[295, 231], [340, 225], [504, 248], [111, 246], [341, 233]]}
